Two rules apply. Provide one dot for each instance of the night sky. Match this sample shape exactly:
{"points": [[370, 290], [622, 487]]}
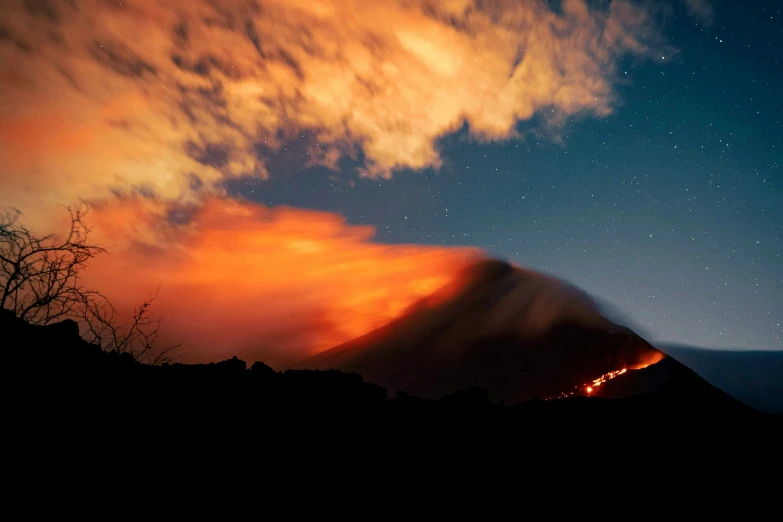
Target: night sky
{"points": [[671, 209], [664, 197]]}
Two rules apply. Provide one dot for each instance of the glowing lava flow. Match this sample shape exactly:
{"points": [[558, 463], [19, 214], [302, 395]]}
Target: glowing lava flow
{"points": [[589, 388], [602, 379]]}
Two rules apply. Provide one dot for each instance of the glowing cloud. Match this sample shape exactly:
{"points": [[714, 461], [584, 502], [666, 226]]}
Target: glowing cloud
{"points": [[168, 98], [273, 285]]}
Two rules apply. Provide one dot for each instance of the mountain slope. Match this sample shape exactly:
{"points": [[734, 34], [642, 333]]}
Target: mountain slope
{"points": [[753, 377], [671, 382], [513, 332]]}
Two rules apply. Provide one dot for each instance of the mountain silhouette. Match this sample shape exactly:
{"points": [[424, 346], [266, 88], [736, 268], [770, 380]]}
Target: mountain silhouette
{"points": [[499, 335], [515, 333]]}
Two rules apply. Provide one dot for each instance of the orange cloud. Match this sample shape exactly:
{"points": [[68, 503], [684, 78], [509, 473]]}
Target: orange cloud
{"points": [[265, 284], [149, 96]]}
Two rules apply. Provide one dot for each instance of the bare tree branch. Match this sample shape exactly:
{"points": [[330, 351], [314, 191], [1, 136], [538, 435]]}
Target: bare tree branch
{"points": [[138, 339], [40, 282], [39, 275]]}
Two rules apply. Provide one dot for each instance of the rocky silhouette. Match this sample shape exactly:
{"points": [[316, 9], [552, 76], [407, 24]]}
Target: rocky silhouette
{"points": [[62, 372], [73, 403]]}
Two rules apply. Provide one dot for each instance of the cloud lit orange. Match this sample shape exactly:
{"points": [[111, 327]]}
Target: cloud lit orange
{"points": [[146, 96], [267, 284]]}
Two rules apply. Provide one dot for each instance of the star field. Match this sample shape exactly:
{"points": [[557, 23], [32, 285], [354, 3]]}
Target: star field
{"points": [[670, 209]]}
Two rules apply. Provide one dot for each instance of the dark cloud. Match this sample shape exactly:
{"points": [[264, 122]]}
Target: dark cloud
{"points": [[120, 59], [6, 35], [212, 154], [43, 8]]}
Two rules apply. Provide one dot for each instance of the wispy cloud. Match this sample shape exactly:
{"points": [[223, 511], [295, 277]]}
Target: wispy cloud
{"points": [[167, 98], [701, 10]]}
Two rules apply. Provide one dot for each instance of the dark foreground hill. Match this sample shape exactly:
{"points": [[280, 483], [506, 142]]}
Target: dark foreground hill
{"points": [[76, 416], [57, 373]]}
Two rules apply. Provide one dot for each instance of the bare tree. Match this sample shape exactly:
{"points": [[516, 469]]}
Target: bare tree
{"points": [[138, 339], [39, 276], [40, 283]]}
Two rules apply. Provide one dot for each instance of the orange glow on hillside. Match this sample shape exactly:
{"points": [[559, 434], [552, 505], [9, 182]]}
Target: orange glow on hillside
{"points": [[273, 284], [652, 357], [590, 388]]}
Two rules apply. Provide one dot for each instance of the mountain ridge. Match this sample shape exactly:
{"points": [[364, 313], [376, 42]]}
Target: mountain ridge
{"points": [[514, 332]]}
